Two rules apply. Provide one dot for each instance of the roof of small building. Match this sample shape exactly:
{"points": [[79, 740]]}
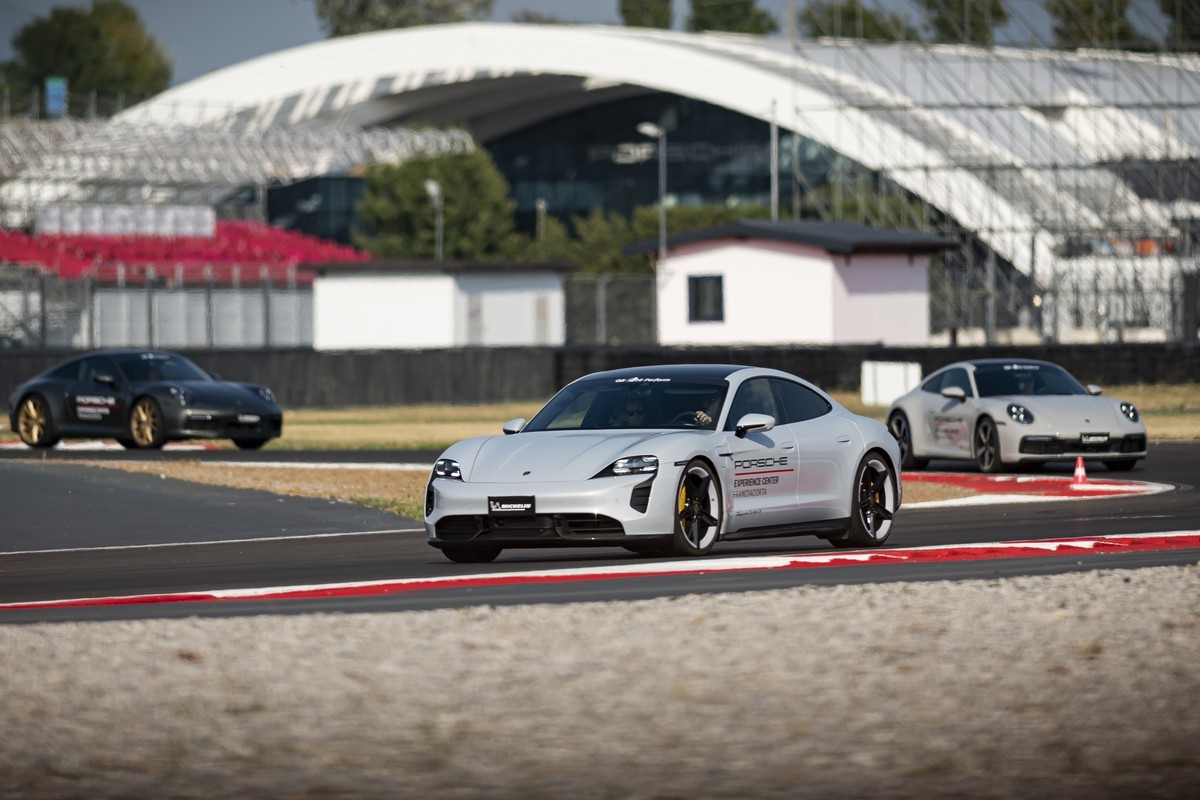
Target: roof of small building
{"points": [[387, 266], [840, 238]]}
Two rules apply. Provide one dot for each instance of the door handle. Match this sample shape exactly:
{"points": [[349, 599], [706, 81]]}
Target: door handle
{"points": [[789, 447], [843, 440]]}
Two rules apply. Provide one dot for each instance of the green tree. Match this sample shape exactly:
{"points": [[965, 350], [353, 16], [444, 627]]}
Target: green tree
{"points": [[346, 17], [103, 49], [964, 21], [851, 20], [734, 16], [552, 242], [398, 216], [646, 13], [1094, 23], [1183, 30], [603, 235], [599, 239]]}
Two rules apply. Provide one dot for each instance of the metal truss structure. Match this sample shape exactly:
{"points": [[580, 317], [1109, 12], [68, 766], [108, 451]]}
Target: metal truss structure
{"points": [[115, 161], [1072, 176]]}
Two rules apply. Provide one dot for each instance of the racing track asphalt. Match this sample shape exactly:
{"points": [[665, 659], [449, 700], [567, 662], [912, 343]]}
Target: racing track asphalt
{"points": [[220, 538]]}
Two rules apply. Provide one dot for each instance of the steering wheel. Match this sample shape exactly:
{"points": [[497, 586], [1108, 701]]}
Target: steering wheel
{"points": [[686, 418]]}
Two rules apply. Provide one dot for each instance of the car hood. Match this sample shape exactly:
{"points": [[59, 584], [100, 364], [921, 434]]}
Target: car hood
{"points": [[1069, 412], [554, 456]]}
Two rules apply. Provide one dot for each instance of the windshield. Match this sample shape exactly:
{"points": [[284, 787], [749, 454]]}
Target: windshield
{"points": [[998, 380], [160, 367], [613, 403]]}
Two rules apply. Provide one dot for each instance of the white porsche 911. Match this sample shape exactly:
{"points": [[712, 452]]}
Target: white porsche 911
{"points": [[1003, 413], [668, 460]]}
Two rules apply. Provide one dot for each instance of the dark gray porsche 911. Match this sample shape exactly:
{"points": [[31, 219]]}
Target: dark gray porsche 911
{"points": [[143, 399]]}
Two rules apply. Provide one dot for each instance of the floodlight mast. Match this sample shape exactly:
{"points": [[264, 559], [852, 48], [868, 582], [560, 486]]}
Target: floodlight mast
{"points": [[653, 131]]}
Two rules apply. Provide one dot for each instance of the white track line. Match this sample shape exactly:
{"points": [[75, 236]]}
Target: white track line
{"points": [[737, 564], [213, 541]]}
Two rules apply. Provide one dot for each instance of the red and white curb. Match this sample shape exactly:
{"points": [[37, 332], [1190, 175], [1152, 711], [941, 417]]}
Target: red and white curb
{"points": [[1042, 548], [990, 489]]}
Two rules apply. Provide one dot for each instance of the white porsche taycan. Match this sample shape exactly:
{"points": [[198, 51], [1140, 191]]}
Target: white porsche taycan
{"points": [[1004, 413], [668, 460]]}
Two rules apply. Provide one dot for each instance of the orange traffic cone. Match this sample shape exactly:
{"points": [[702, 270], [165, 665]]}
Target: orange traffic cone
{"points": [[1080, 472]]}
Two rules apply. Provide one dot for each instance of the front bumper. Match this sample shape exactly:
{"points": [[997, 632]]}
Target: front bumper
{"points": [[209, 424], [602, 511], [1055, 448]]}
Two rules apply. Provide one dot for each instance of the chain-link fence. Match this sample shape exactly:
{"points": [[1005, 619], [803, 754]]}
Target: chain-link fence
{"points": [[996, 306], [610, 309], [37, 310], [40, 311]]}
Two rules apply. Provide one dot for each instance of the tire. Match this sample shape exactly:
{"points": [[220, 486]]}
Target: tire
{"points": [[146, 424], [872, 504], [698, 510], [35, 426], [902, 432], [987, 447], [249, 444], [472, 554], [1123, 465]]}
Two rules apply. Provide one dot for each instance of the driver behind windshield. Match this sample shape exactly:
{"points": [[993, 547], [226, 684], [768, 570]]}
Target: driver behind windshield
{"points": [[630, 414]]}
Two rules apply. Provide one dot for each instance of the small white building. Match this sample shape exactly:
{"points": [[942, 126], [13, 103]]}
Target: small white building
{"points": [[380, 305], [762, 282]]}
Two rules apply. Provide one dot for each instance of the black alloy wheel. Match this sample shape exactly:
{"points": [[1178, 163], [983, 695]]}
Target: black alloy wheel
{"points": [[698, 510]]}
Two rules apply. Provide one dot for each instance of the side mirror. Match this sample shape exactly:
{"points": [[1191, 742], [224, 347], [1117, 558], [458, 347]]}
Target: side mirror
{"points": [[1094, 389], [754, 422], [514, 426], [954, 393]]}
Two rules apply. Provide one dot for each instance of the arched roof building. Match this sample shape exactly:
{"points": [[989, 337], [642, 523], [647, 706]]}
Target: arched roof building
{"points": [[1058, 166]]}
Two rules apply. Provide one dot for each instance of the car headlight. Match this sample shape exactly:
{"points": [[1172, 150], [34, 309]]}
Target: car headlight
{"points": [[1129, 410], [265, 393], [630, 465], [1020, 414], [182, 396], [447, 468]]}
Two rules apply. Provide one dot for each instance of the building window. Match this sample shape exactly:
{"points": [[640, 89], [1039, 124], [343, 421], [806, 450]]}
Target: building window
{"points": [[706, 298]]}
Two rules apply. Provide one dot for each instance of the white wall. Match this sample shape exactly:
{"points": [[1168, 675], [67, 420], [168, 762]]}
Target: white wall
{"points": [[509, 309], [775, 293], [881, 298], [383, 311]]}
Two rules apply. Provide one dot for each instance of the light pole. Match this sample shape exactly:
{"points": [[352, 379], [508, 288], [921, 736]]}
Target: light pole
{"points": [[434, 189], [541, 206], [656, 132]]}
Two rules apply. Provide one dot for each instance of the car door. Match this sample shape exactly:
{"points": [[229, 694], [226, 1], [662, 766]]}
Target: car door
{"points": [[826, 452], [947, 420], [764, 462], [96, 400]]}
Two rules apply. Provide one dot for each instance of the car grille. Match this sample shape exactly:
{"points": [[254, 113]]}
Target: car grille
{"points": [[531, 527], [1053, 446], [227, 425]]}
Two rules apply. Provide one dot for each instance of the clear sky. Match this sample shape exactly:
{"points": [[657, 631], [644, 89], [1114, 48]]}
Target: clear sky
{"points": [[203, 35]]}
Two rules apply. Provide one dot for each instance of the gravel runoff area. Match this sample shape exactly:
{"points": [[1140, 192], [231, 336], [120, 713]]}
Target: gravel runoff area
{"points": [[1076, 685]]}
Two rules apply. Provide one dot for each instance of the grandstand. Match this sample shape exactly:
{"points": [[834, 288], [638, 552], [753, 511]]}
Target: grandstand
{"points": [[260, 250], [1071, 176]]}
